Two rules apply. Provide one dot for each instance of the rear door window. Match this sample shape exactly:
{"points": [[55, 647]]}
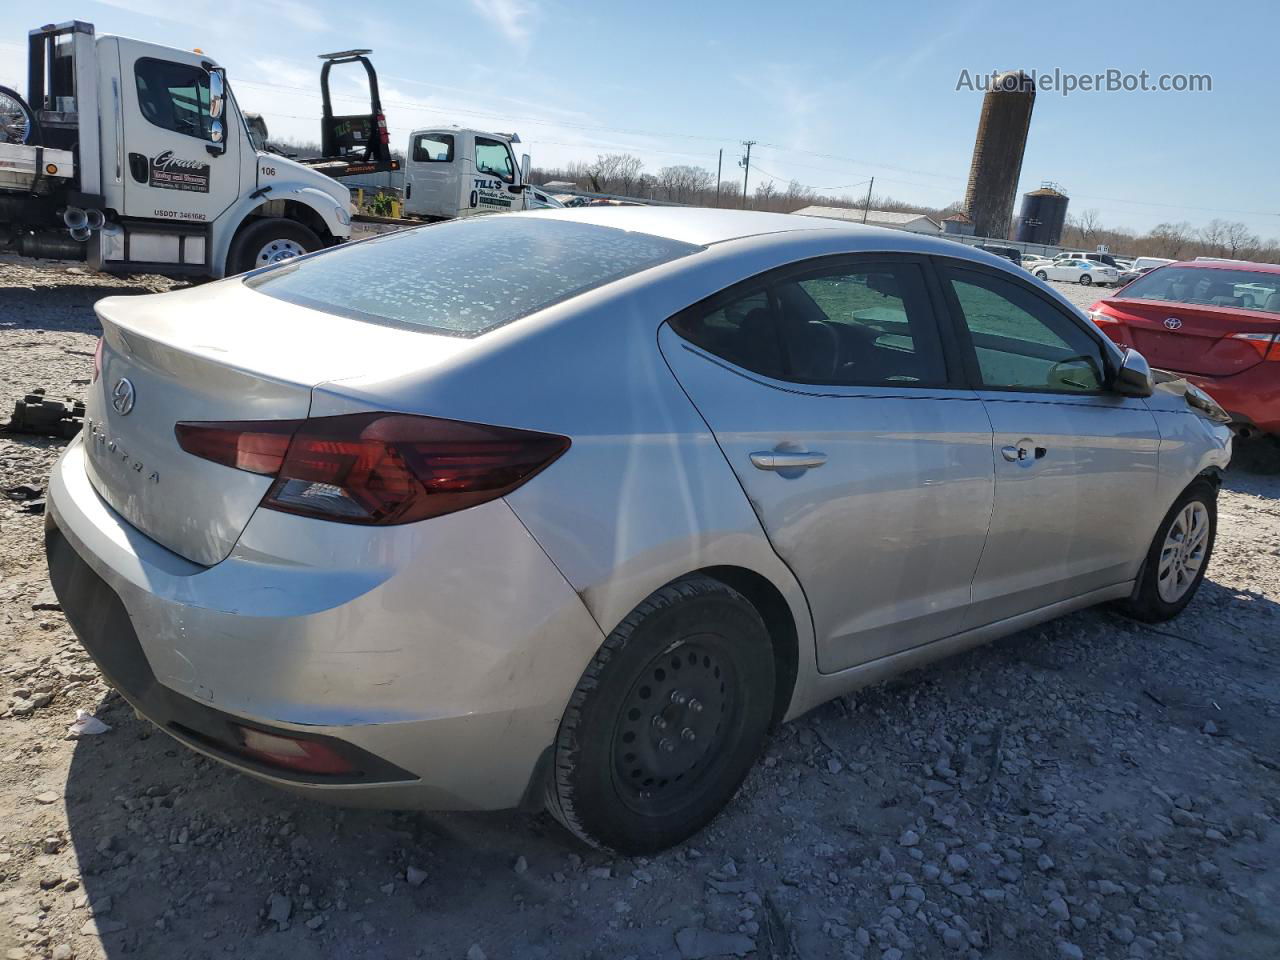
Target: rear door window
{"points": [[839, 324], [466, 277], [861, 324], [433, 148]]}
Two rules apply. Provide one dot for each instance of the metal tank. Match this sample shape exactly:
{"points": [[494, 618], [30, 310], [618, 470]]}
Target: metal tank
{"points": [[997, 153], [1043, 215]]}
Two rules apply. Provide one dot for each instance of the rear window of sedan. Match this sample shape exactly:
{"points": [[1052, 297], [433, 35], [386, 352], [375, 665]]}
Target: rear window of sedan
{"points": [[1243, 289], [466, 277]]}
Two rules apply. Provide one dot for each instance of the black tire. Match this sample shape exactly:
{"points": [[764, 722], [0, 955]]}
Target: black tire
{"points": [[18, 123], [1042, 274], [257, 235], [1086, 280], [1146, 603], [614, 782]]}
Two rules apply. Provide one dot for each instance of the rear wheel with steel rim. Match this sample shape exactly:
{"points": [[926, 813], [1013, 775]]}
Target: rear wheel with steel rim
{"points": [[666, 721], [1178, 556], [1085, 280]]}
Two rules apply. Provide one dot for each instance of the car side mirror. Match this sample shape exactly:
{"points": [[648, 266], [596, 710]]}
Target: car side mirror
{"points": [[524, 168], [1133, 379]]}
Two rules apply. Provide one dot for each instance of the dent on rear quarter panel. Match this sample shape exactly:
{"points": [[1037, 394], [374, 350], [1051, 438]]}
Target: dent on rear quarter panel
{"points": [[644, 494]]}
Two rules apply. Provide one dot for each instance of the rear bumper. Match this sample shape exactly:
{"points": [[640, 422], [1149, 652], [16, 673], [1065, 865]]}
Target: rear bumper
{"points": [[1250, 397], [439, 656]]}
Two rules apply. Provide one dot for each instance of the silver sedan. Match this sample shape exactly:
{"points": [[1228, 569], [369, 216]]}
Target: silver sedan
{"points": [[571, 508]]}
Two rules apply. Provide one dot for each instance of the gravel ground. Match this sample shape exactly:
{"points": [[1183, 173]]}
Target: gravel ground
{"points": [[1089, 788]]}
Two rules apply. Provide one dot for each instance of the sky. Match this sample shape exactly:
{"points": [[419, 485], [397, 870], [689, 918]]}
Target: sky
{"points": [[833, 93]]}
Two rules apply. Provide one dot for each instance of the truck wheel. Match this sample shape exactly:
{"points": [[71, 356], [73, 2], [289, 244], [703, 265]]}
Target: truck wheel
{"points": [[268, 241], [666, 721]]}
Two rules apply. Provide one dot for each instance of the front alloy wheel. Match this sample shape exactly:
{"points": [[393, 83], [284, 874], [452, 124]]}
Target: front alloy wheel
{"points": [[1183, 553], [1178, 556]]}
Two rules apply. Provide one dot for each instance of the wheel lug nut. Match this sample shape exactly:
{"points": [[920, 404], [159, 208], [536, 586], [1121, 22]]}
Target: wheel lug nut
{"points": [[678, 697], [667, 744], [695, 706], [688, 734], [659, 721]]}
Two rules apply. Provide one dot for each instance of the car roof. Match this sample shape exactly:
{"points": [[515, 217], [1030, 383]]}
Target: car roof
{"points": [[704, 226], [1227, 265]]}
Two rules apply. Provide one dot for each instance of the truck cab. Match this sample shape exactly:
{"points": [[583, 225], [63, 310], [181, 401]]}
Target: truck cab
{"points": [[167, 177], [453, 172]]}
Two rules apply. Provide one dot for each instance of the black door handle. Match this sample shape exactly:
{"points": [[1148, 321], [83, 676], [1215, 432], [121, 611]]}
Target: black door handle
{"points": [[138, 167]]}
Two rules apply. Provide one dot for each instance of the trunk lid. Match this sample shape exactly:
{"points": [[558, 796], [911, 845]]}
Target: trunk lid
{"points": [[1192, 338], [218, 352]]}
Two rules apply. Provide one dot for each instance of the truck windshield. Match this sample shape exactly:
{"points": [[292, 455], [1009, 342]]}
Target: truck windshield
{"points": [[466, 277]]}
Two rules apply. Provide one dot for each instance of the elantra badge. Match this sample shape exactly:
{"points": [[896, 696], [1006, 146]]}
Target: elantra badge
{"points": [[122, 396], [1173, 323]]}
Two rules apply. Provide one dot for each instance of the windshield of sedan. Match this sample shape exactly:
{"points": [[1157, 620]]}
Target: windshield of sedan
{"points": [[466, 277], [1243, 289]]}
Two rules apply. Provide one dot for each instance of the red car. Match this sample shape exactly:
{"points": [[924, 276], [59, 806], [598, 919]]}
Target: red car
{"points": [[1215, 322]]}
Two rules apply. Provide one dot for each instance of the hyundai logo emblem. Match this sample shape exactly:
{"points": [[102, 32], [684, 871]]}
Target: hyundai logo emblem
{"points": [[1173, 323], [122, 396]]}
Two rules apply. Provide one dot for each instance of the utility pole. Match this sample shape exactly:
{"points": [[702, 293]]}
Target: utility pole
{"points": [[719, 168], [746, 171], [866, 207]]}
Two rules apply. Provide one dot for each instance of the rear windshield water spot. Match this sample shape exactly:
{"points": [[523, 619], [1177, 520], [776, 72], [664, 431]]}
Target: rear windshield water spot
{"points": [[466, 277]]}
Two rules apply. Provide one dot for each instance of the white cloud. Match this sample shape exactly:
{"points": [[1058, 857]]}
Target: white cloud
{"points": [[512, 18]]}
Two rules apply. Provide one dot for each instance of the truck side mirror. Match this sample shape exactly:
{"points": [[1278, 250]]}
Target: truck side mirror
{"points": [[524, 169], [217, 94], [217, 107]]}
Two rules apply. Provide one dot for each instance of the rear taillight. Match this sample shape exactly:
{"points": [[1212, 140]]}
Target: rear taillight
{"points": [[1267, 344], [383, 136], [257, 446], [97, 361], [376, 468]]}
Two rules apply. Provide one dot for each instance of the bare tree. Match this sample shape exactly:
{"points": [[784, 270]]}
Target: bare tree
{"points": [[1170, 239], [1213, 235], [685, 184], [766, 190], [1238, 238], [1088, 224]]}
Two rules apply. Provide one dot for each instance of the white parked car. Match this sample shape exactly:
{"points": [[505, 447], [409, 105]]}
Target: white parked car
{"points": [[1077, 271]]}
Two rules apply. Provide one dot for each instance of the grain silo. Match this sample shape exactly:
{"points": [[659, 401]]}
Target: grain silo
{"points": [[997, 153], [1043, 215]]}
